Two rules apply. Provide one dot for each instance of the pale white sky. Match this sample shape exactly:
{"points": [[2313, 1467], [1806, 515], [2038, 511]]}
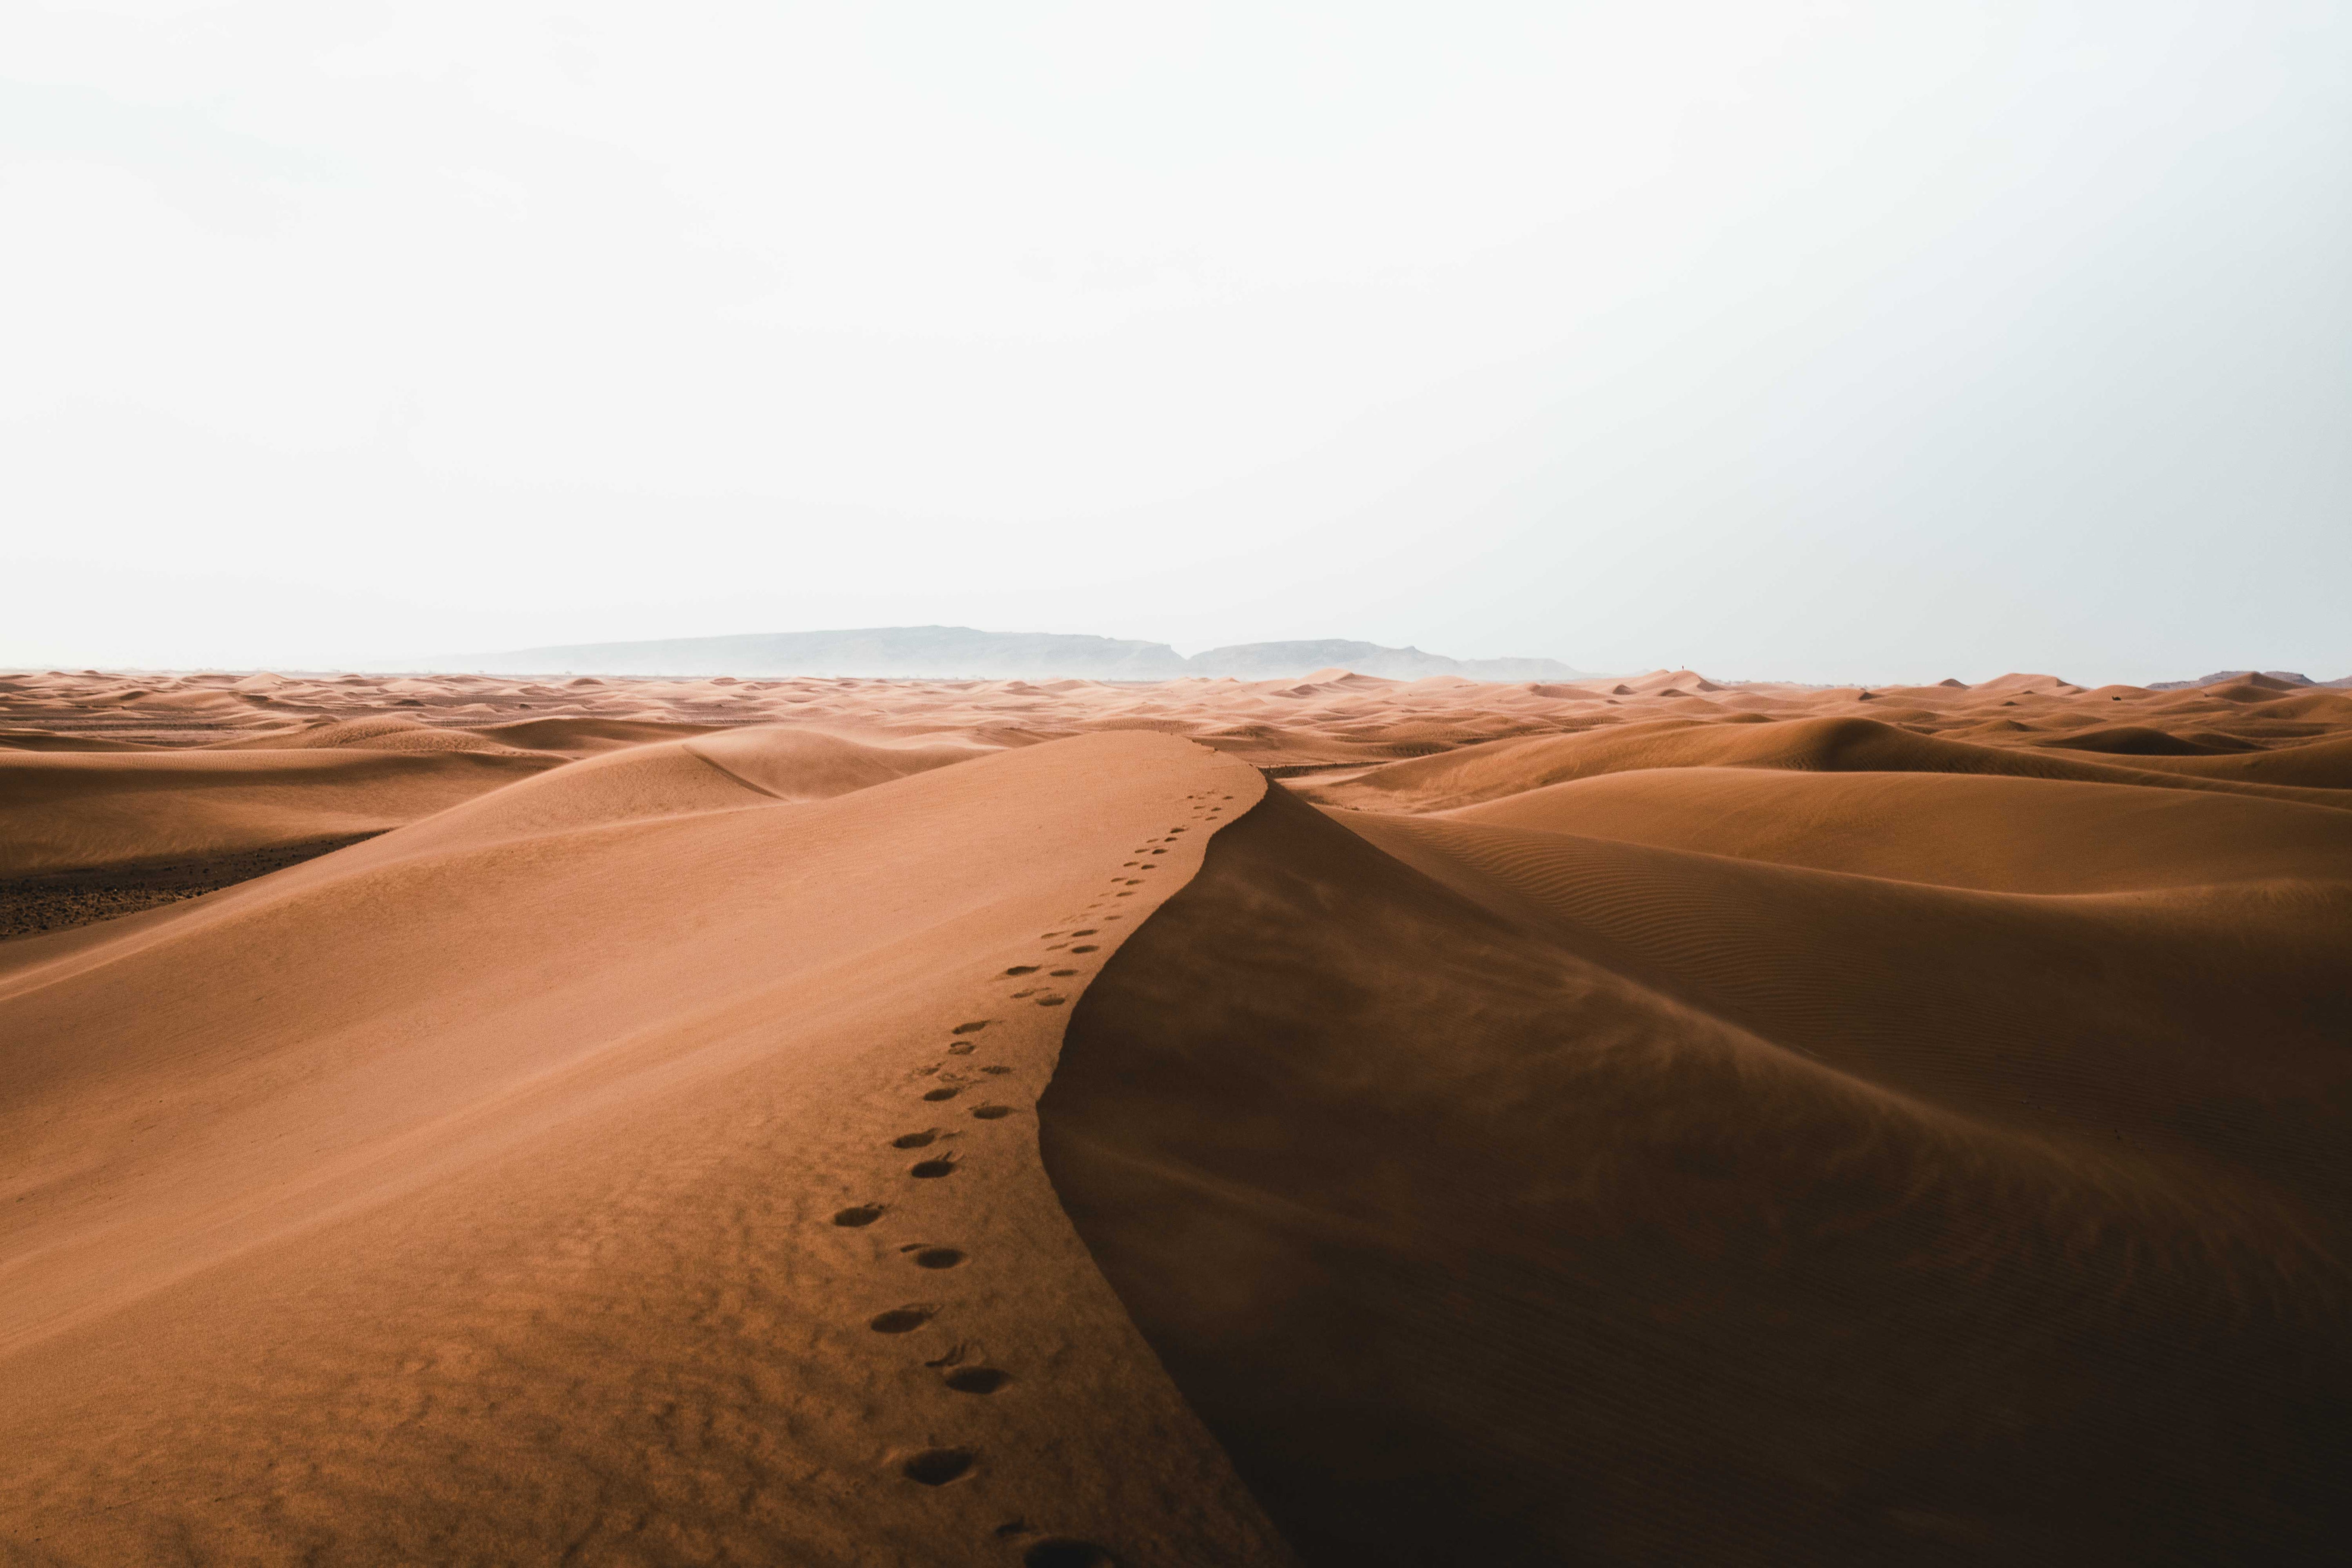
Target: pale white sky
{"points": [[1818, 340]]}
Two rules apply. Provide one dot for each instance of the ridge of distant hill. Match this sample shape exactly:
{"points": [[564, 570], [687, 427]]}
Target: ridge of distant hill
{"points": [[965, 653], [2263, 676]]}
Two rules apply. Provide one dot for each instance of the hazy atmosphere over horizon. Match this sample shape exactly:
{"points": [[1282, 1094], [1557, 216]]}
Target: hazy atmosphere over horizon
{"points": [[1815, 342]]}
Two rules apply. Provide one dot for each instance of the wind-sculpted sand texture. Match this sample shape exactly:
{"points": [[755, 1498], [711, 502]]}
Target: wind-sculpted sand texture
{"points": [[628, 1165], [1656, 1120]]}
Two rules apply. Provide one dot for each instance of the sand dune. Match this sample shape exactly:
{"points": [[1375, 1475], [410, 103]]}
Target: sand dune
{"points": [[1504, 1196], [496, 1190], [1663, 1120], [71, 810], [1501, 768], [93, 834], [2315, 764], [2011, 835]]}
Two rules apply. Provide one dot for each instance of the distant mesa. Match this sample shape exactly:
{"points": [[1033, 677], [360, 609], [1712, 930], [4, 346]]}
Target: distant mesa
{"points": [[963, 653]]}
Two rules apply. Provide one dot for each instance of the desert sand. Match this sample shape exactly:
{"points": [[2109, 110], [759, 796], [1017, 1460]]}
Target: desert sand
{"points": [[1345, 1121]]}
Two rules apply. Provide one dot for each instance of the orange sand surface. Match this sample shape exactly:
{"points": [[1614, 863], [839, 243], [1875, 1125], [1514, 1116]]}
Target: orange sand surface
{"points": [[1659, 1120]]}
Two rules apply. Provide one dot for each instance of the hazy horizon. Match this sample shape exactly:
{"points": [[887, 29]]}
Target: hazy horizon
{"points": [[1794, 340], [464, 663]]}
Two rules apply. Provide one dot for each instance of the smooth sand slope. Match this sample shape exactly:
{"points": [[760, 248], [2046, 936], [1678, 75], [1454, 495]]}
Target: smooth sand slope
{"points": [[602, 1174], [70, 810], [1497, 769], [1654, 1121], [2009, 834], [95, 835], [1507, 1196]]}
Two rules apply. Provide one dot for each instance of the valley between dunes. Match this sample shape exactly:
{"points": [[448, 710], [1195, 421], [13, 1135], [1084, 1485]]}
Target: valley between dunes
{"points": [[1331, 1122]]}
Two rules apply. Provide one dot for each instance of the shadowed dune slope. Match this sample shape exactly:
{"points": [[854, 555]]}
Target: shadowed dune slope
{"points": [[2319, 764], [383, 733], [1499, 768], [1499, 1196], [646, 1174], [2131, 741], [2014, 835], [13, 739], [77, 809]]}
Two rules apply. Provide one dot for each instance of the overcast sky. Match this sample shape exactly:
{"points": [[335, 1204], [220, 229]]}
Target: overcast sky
{"points": [[1819, 341]]}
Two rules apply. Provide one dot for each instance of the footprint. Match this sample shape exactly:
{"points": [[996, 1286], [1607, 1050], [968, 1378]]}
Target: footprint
{"points": [[1051, 1001], [962, 1048], [932, 1169], [1059, 973], [937, 1467], [998, 1071], [938, 1258], [945, 1092], [1089, 931], [904, 1319], [915, 1140], [1022, 968], [862, 1214], [1089, 947], [977, 1379], [992, 1112], [972, 1028]]}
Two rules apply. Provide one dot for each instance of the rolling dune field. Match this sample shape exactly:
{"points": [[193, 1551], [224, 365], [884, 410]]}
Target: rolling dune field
{"points": [[1647, 1121]]}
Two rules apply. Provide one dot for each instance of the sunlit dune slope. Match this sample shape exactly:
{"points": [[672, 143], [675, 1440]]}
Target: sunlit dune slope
{"points": [[646, 1176], [1500, 1195], [676, 778], [810, 764], [1499, 768], [567, 737]]}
